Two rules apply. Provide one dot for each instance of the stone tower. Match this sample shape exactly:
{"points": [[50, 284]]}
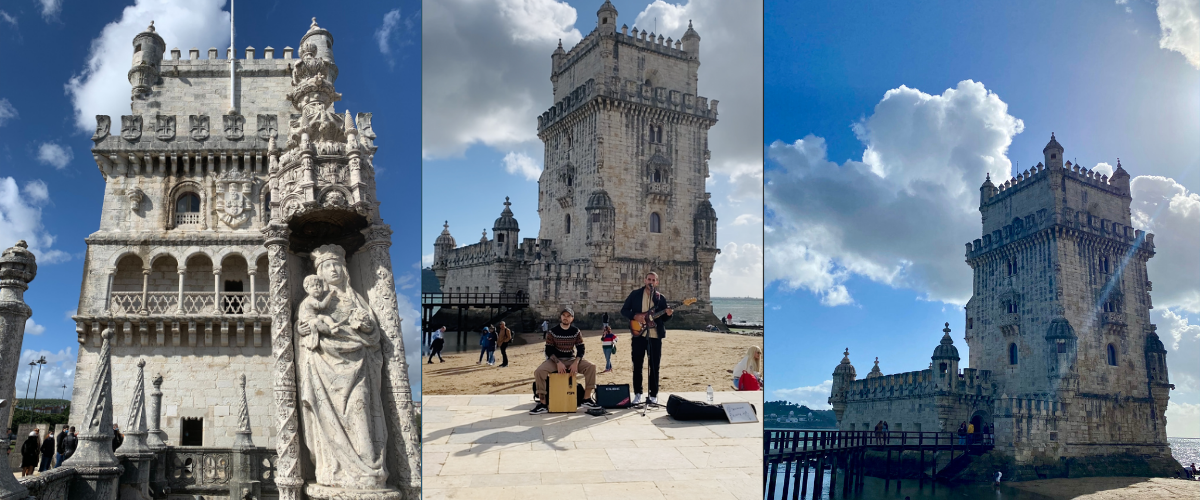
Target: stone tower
{"points": [[626, 159], [208, 228], [1060, 315]]}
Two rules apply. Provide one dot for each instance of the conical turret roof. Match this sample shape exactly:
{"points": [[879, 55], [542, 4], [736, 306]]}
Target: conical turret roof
{"points": [[946, 349], [445, 238], [506, 222]]}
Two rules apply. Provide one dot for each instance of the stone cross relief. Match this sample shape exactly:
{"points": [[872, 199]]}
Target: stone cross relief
{"points": [[234, 125], [131, 127], [268, 127], [164, 127], [340, 368], [199, 127]]}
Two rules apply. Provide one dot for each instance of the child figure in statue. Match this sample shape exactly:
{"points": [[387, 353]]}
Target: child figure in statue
{"points": [[312, 309]]}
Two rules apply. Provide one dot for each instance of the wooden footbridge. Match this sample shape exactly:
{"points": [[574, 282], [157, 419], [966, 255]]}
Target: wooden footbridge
{"points": [[502, 304], [795, 452]]}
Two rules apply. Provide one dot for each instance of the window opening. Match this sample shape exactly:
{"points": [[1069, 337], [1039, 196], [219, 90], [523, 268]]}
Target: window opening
{"points": [[191, 432], [1012, 354], [187, 209], [1112, 355], [655, 223], [568, 221]]}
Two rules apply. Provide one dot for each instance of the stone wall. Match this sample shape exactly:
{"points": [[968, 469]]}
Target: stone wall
{"points": [[198, 382]]}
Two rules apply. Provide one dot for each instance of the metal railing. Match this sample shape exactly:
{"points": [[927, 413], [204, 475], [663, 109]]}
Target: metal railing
{"points": [[792, 441]]}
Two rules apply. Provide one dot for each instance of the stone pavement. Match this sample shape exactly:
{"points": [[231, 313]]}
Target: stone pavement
{"points": [[491, 447]]}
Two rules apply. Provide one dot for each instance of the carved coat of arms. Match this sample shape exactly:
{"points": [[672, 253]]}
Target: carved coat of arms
{"points": [[234, 125], [164, 127], [233, 198], [268, 127], [103, 123], [131, 127], [199, 124]]}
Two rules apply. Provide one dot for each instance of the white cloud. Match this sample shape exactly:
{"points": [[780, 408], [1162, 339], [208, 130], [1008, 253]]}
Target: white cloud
{"points": [[55, 155], [521, 164], [1103, 168], [8, 19], [32, 328], [411, 332], [21, 219], [1176, 326], [485, 70], [1180, 23], [1183, 420], [51, 9], [427, 260], [815, 397], [747, 219], [7, 112], [102, 87], [397, 30], [1166, 208], [738, 271], [58, 371], [900, 215]]}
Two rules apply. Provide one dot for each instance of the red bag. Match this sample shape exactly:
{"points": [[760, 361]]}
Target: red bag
{"points": [[748, 382]]}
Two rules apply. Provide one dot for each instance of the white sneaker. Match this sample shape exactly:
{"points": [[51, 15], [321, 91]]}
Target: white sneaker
{"points": [[637, 399], [652, 400]]}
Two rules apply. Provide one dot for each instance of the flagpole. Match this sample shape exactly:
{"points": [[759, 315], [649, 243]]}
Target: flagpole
{"points": [[232, 60]]}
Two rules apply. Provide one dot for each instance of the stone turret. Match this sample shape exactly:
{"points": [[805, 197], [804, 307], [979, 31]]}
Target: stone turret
{"points": [[691, 42], [606, 18], [843, 376], [17, 268], [945, 359], [1120, 179], [442, 246], [322, 41], [148, 49], [875, 370], [1053, 153], [506, 230], [986, 191]]}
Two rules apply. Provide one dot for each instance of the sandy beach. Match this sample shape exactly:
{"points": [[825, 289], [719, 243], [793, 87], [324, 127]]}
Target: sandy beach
{"points": [[1112, 488], [691, 361]]}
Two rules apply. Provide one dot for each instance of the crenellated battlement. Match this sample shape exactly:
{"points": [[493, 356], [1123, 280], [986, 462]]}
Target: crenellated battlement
{"points": [[919, 383], [630, 91], [1032, 175], [1070, 219]]}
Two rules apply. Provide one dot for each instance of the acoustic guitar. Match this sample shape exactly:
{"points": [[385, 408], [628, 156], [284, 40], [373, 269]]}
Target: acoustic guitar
{"points": [[644, 322]]}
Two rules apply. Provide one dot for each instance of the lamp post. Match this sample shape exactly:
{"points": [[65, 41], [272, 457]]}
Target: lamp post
{"points": [[27, 381], [41, 361]]}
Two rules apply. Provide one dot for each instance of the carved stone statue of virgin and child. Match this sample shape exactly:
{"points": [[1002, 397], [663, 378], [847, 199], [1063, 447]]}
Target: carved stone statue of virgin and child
{"points": [[340, 368]]}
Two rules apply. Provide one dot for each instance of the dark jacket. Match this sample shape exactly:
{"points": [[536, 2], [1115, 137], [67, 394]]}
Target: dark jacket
{"points": [[69, 444], [633, 306], [62, 438], [118, 438], [48, 446], [29, 452]]}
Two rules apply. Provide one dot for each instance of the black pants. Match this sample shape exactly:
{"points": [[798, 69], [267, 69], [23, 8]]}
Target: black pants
{"points": [[436, 348], [504, 353], [639, 347]]}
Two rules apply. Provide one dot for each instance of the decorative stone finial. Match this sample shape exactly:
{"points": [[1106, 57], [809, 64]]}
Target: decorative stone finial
{"points": [[314, 24], [151, 28]]}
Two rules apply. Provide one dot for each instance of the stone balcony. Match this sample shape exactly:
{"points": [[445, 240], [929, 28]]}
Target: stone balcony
{"points": [[177, 303], [1009, 323], [659, 192]]}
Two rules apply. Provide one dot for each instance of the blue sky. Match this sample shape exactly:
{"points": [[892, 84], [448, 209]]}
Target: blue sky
{"points": [[50, 189], [487, 77], [885, 99]]}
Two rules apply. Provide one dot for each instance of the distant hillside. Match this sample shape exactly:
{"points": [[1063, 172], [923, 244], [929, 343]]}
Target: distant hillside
{"points": [[787, 415]]}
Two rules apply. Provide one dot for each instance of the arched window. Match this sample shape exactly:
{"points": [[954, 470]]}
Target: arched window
{"points": [[1011, 307], [659, 135], [1104, 264], [568, 223], [655, 223], [1012, 354], [1112, 355], [1012, 267], [187, 209]]}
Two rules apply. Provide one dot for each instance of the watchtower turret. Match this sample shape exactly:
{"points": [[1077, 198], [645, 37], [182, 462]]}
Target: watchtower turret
{"points": [[505, 231], [843, 376], [148, 49], [945, 360], [322, 46], [1053, 152], [606, 19], [691, 43]]}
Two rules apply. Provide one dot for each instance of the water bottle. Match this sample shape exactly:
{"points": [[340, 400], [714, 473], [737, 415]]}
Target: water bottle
{"points": [[710, 398]]}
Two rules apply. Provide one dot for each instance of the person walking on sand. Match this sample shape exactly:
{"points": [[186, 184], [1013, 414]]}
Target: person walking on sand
{"points": [[545, 326], [483, 339], [608, 341], [438, 343], [752, 365], [641, 305], [29, 454], [505, 336], [492, 340], [564, 353]]}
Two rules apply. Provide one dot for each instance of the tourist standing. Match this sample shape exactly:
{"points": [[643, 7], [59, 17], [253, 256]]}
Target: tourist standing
{"points": [[962, 433], [729, 319], [118, 438], [879, 431], [545, 327], [505, 337], [483, 344], [885, 431], [29, 454], [69, 444], [641, 305], [48, 448], [971, 433], [59, 442], [608, 342], [439, 342], [492, 339], [604, 319]]}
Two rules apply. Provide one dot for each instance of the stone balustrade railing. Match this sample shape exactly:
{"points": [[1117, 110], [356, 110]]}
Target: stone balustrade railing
{"points": [[193, 303], [50, 485]]}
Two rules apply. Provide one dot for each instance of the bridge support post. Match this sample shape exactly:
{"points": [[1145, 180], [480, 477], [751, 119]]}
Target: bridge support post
{"points": [[802, 468], [887, 471], [833, 475], [773, 470], [819, 477], [787, 478]]}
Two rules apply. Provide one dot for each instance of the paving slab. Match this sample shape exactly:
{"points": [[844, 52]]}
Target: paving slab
{"points": [[488, 446]]}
